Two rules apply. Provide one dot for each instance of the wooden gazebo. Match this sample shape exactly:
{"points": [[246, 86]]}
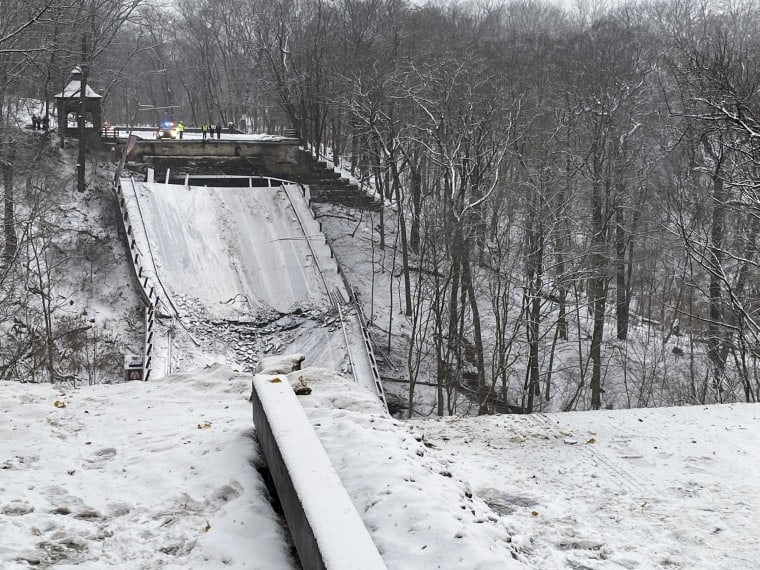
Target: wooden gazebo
{"points": [[68, 104]]}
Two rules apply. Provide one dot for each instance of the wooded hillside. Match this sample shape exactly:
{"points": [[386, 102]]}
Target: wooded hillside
{"points": [[573, 196]]}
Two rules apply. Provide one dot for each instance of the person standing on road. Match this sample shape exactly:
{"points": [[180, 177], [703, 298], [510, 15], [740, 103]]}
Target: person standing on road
{"points": [[204, 130], [218, 130], [181, 129]]}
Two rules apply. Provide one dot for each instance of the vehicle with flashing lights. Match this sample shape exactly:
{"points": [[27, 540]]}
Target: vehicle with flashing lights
{"points": [[167, 130]]}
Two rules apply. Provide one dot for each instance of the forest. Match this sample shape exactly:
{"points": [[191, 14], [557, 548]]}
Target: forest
{"points": [[571, 194]]}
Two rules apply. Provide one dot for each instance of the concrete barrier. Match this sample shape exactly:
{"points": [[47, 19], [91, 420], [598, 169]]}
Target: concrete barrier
{"points": [[326, 529]]}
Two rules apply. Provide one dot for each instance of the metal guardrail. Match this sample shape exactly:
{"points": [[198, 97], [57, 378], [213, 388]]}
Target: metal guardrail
{"points": [[110, 134], [368, 345], [367, 342], [188, 178], [147, 289]]}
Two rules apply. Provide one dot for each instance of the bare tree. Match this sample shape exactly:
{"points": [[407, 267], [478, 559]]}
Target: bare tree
{"points": [[99, 21], [717, 75]]}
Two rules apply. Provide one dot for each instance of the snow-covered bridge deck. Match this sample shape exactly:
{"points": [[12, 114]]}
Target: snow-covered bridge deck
{"points": [[246, 255]]}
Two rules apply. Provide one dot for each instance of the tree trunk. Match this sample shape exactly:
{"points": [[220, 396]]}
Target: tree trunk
{"points": [[484, 393], [82, 115], [535, 283], [621, 289], [416, 195], [7, 159], [404, 245], [453, 339], [715, 266], [598, 289]]}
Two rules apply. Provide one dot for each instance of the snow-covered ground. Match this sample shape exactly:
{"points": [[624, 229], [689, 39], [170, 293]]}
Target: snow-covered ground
{"points": [[162, 475], [647, 488], [135, 475]]}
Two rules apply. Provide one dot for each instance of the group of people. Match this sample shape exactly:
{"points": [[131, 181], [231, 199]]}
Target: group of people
{"points": [[211, 128], [40, 124]]}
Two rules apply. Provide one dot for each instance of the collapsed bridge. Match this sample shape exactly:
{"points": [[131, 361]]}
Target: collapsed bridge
{"points": [[224, 264]]}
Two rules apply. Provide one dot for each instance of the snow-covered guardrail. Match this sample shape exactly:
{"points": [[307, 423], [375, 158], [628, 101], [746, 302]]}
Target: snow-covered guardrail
{"points": [[147, 290], [369, 355], [326, 529], [368, 345]]}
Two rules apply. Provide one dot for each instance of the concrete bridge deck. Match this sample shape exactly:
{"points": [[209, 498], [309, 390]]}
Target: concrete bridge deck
{"points": [[237, 154]]}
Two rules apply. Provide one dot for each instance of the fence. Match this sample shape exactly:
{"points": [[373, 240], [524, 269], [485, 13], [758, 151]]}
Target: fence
{"points": [[367, 343]]}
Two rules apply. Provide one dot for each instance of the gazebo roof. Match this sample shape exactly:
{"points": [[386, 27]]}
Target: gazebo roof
{"points": [[73, 89], [74, 86]]}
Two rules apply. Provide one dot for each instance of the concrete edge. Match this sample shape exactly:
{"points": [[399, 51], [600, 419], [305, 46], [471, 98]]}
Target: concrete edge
{"points": [[326, 528]]}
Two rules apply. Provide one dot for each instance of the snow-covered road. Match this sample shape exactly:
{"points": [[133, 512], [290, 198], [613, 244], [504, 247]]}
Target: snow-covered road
{"points": [[234, 250], [228, 258]]}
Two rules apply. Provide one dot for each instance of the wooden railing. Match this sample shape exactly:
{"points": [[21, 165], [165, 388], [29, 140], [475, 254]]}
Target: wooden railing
{"points": [[110, 134]]}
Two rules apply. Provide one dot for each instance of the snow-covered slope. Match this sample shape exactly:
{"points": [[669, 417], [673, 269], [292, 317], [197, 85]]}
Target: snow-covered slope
{"points": [[647, 488]]}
